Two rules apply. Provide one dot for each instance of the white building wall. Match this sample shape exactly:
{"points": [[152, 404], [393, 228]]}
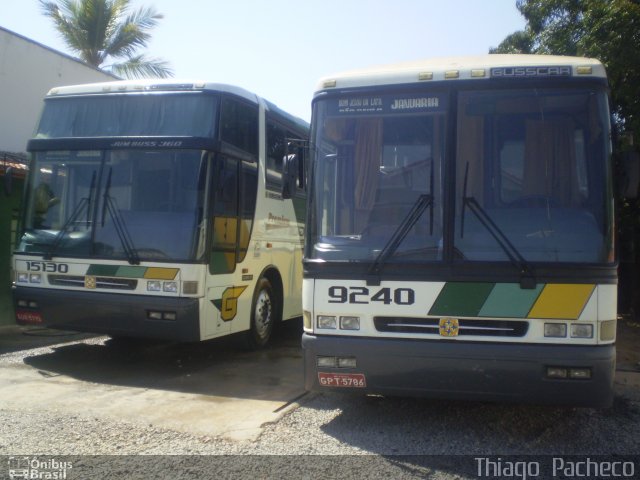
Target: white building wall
{"points": [[28, 70]]}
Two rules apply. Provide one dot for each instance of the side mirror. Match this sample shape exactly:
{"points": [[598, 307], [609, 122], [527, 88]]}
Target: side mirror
{"points": [[630, 179], [289, 175], [8, 181]]}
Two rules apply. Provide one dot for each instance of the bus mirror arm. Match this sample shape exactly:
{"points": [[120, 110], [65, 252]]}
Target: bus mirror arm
{"points": [[629, 180], [289, 175], [8, 181]]}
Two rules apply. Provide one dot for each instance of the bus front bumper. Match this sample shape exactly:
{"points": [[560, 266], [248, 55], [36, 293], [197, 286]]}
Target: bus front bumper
{"points": [[517, 373], [118, 314]]}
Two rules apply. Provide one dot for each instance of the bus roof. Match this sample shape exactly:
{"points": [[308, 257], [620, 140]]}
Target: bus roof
{"points": [[172, 85], [465, 68]]}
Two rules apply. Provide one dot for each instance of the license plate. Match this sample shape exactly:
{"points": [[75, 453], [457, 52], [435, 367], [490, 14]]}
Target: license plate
{"points": [[347, 380], [32, 318]]}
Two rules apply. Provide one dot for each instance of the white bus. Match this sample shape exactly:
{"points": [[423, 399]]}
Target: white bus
{"points": [[165, 210], [460, 239]]}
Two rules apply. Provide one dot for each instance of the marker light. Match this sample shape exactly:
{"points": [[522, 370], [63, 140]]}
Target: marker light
{"points": [[306, 319], [478, 72], [556, 330], [327, 322], [584, 70], [425, 76], [608, 330], [452, 74]]}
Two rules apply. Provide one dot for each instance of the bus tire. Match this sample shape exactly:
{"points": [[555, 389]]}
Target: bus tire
{"points": [[263, 315]]}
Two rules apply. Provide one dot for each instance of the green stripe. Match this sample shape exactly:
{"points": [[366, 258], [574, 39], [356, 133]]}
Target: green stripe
{"points": [[131, 272], [103, 270], [461, 299], [508, 300]]}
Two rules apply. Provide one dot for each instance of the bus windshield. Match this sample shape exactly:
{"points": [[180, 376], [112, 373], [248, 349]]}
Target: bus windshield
{"points": [[129, 115], [119, 204], [530, 178]]}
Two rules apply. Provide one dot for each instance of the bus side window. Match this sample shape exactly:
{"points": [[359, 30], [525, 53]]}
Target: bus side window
{"points": [[276, 149], [225, 216]]}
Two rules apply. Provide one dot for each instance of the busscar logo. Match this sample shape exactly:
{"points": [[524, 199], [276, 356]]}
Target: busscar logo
{"points": [[541, 71], [33, 467]]}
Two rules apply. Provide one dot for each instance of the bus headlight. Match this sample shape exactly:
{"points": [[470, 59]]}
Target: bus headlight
{"points": [[557, 330], [23, 278], [154, 286], [349, 323], [581, 330], [327, 322], [170, 287], [35, 278]]}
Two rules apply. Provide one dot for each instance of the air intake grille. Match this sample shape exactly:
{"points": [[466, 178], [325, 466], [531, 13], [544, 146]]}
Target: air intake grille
{"points": [[106, 283], [477, 328]]}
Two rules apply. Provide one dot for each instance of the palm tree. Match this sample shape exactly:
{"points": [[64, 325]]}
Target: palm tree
{"points": [[105, 34]]}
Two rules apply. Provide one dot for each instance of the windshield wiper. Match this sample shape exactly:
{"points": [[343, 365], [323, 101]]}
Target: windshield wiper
{"points": [[527, 276], [418, 208], [108, 205], [82, 204]]}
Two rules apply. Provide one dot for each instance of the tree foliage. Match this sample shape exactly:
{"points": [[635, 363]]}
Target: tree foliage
{"points": [[608, 30], [107, 34]]}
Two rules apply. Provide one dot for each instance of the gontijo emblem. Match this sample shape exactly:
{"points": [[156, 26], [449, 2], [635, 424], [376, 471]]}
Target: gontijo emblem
{"points": [[449, 327]]}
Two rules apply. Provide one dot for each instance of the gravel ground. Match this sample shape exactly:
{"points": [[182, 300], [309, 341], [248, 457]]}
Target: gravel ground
{"points": [[329, 436]]}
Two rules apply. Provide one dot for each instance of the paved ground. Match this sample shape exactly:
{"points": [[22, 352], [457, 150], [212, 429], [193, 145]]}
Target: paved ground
{"points": [[210, 388]]}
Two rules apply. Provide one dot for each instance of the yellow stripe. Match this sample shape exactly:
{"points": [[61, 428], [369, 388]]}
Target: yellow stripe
{"points": [[158, 273], [561, 301]]}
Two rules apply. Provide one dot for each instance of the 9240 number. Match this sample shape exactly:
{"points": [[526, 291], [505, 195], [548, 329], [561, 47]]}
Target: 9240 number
{"points": [[362, 295]]}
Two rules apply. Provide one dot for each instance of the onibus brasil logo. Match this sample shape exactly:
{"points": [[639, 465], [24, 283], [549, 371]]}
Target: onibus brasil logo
{"points": [[36, 468]]}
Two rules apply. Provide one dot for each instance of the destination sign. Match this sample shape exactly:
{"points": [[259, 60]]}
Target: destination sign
{"points": [[383, 104]]}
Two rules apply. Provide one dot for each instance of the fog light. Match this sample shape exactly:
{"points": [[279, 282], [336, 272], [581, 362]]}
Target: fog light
{"points": [[33, 304], [35, 278], [327, 322], [580, 373], [557, 330], [330, 362], [23, 277], [346, 362], [23, 303], [169, 316], [556, 372], [154, 286], [350, 323], [170, 287], [154, 315], [581, 330]]}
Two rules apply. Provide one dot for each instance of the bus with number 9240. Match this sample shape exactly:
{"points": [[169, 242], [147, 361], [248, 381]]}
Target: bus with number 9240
{"points": [[460, 235]]}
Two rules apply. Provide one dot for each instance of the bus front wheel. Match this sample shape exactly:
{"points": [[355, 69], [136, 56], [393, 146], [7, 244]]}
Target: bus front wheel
{"points": [[263, 315]]}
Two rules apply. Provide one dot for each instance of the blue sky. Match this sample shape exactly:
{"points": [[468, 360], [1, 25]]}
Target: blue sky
{"points": [[279, 48]]}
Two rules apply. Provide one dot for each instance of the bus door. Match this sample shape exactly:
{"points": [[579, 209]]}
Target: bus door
{"points": [[229, 288]]}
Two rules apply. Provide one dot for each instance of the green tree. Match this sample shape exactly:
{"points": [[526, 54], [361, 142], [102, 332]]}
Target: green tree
{"points": [[608, 30], [107, 34]]}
